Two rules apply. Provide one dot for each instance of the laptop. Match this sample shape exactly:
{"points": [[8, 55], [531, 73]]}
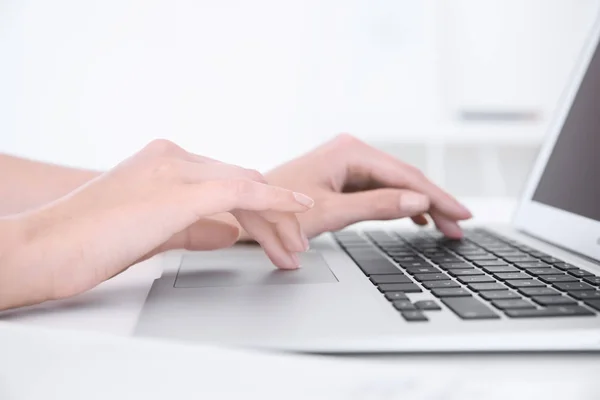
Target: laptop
{"points": [[533, 285]]}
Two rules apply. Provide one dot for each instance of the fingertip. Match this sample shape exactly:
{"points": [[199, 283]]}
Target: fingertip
{"points": [[451, 230], [464, 212]]}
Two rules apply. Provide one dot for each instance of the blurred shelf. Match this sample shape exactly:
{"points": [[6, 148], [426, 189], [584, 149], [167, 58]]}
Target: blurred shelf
{"points": [[523, 134]]}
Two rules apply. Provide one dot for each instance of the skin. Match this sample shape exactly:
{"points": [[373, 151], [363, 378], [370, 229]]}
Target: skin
{"points": [[64, 231]]}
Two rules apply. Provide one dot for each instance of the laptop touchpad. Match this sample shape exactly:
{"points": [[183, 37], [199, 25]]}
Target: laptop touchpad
{"points": [[247, 266]]}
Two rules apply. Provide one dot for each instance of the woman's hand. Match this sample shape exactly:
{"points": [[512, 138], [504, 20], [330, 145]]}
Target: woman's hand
{"points": [[352, 182], [161, 198]]}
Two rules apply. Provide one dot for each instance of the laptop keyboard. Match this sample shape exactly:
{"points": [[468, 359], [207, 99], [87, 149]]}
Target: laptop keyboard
{"points": [[479, 277]]}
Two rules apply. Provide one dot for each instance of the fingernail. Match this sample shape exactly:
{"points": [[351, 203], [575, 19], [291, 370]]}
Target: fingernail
{"points": [[304, 199], [414, 203], [295, 260]]}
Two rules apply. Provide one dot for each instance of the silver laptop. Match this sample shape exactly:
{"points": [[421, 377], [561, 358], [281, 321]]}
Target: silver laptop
{"points": [[534, 285]]}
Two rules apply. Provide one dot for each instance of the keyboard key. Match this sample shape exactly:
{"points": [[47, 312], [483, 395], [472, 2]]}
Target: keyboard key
{"points": [[512, 275], [469, 308], [450, 292], [403, 305], [564, 266], [500, 295], [500, 269], [446, 259], [436, 252], [595, 304], [427, 305], [508, 252], [558, 278], [544, 271], [559, 311], [482, 258], [415, 264], [475, 279], [490, 263], [423, 270], [431, 277], [451, 266], [465, 272], [551, 260], [480, 287], [538, 254], [471, 252], [521, 259], [580, 273], [539, 291], [414, 316], [524, 283], [592, 280], [440, 284], [390, 278], [554, 301], [396, 296], [573, 286], [586, 295], [532, 265], [512, 304], [399, 287], [406, 259], [376, 266]]}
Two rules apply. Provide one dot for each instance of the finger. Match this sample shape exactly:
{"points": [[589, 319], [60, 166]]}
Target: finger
{"points": [[447, 226], [389, 171], [288, 229], [264, 233], [420, 220], [206, 234], [378, 204], [223, 196]]}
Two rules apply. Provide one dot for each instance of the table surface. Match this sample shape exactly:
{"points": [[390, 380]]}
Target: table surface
{"points": [[114, 306], [136, 368]]}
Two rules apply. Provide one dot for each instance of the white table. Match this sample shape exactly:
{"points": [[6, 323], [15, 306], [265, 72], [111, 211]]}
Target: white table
{"points": [[72, 365], [114, 306]]}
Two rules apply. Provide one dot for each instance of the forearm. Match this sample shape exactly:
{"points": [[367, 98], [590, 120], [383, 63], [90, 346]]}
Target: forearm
{"points": [[26, 184]]}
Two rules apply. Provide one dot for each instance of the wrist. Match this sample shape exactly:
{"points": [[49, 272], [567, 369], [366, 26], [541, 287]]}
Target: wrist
{"points": [[15, 277]]}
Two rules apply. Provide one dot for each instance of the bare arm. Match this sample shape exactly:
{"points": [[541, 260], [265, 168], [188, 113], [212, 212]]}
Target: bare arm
{"points": [[26, 184]]}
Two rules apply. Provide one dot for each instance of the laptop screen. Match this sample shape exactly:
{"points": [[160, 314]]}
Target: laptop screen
{"points": [[571, 179]]}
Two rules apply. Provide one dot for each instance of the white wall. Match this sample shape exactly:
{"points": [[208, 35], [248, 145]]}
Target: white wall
{"points": [[252, 82], [510, 55], [87, 83]]}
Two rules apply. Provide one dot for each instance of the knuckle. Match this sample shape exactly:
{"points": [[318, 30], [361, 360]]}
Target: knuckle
{"points": [[240, 188], [162, 147], [347, 140], [254, 175]]}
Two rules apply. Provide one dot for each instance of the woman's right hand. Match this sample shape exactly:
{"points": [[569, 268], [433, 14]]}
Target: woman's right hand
{"points": [[159, 199]]}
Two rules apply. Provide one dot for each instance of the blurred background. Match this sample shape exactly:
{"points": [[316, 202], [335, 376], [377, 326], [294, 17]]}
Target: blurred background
{"points": [[464, 89]]}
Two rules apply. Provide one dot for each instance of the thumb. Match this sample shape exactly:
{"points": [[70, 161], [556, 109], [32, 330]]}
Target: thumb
{"points": [[378, 204], [205, 234]]}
